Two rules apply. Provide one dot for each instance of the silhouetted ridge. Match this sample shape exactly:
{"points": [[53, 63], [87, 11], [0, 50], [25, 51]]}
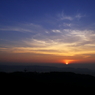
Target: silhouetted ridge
{"points": [[61, 78]]}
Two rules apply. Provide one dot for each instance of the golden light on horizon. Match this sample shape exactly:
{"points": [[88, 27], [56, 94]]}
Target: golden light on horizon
{"points": [[68, 61]]}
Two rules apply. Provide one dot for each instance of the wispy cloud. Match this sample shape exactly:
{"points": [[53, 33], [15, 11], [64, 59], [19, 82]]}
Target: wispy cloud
{"points": [[68, 43], [15, 29], [67, 24], [79, 16], [30, 27], [56, 31], [62, 41], [62, 16]]}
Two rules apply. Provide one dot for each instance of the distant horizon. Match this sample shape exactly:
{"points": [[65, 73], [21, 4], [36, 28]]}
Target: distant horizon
{"points": [[83, 69], [90, 66]]}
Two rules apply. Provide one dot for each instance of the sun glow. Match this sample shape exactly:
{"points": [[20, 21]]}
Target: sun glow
{"points": [[68, 61]]}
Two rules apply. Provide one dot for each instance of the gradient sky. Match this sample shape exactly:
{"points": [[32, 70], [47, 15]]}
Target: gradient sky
{"points": [[47, 31]]}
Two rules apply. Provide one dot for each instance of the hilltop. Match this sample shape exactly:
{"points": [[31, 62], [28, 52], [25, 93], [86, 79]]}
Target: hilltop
{"points": [[50, 78]]}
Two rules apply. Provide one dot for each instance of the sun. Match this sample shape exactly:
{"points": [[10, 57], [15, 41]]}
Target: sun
{"points": [[66, 63]]}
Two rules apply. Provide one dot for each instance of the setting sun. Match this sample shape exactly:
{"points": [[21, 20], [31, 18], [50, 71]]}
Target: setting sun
{"points": [[66, 63]]}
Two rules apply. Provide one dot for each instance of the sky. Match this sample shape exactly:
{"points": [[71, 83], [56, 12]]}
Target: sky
{"points": [[47, 31]]}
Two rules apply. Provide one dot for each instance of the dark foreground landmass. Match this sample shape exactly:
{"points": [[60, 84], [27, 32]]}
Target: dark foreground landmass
{"points": [[50, 78]]}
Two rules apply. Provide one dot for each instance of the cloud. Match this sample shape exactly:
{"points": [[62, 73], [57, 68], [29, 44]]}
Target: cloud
{"points": [[30, 27], [16, 29], [62, 16], [62, 41], [56, 31], [67, 24], [79, 16], [68, 43]]}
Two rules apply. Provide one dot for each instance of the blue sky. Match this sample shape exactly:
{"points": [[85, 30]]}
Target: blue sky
{"points": [[63, 28]]}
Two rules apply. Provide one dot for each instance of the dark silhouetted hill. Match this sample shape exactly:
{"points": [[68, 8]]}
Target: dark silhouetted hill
{"points": [[50, 78]]}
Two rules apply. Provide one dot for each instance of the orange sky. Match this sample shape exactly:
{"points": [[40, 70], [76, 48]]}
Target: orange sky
{"points": [[43, 58]]}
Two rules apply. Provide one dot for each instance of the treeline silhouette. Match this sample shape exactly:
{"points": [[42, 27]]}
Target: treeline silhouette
{"points": [[48, 78]]}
